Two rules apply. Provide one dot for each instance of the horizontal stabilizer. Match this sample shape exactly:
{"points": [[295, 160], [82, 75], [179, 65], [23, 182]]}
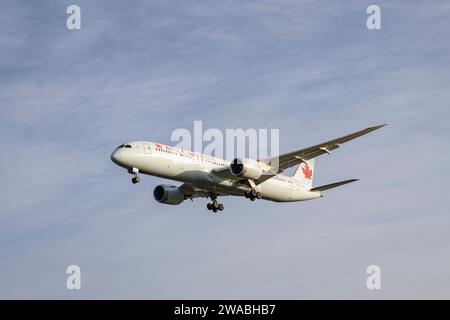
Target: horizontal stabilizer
{"points": [[333, 185]]}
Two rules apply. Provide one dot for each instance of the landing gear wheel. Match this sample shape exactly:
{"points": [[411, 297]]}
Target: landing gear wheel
{"points": [[135, 180], [253, 194], [215, 206]]}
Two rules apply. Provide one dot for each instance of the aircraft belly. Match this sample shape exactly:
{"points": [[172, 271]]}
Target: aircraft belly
{"points": [[275, 190], [281, 192]]}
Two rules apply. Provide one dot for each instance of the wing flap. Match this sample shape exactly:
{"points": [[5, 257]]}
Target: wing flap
{"points": [[225, 173]]}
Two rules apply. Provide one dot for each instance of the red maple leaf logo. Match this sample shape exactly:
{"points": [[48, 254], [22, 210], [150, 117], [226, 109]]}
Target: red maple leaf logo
{"points": [[307, 172]]}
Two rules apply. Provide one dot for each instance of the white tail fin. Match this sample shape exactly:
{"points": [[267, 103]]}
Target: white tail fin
{"points": [[305, 174]]}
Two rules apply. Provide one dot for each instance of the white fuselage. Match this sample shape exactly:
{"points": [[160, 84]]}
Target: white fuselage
{"points": [[197, 169]]}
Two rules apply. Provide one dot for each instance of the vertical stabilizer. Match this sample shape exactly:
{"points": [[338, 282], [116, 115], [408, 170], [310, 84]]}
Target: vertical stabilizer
{"points": [[305, 174]]}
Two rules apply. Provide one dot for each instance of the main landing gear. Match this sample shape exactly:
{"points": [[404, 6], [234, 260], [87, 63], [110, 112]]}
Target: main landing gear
{"points": [[134, 172], [253, 194], [215, 206]]}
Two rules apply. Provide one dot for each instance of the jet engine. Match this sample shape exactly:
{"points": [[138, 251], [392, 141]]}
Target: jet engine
{"points": [[246, 168], [168, 194]]}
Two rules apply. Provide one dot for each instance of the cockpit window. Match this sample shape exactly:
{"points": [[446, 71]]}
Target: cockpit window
{"points": [[124, 146]]}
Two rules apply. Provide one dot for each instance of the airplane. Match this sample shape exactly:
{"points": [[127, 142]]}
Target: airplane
{"points": [[211, 177]]}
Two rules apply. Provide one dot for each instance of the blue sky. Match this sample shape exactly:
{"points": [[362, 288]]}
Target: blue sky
{"points": [[139, 70]]}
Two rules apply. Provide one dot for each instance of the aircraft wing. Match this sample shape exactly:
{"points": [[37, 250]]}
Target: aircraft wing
{"points": [[292, 159], [192, 191], [225, 173]]}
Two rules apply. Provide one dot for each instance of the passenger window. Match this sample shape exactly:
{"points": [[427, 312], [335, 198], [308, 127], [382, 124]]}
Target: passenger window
{"points": [[127, 146]]}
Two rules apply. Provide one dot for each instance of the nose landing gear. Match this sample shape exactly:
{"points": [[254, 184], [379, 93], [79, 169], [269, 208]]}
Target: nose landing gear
{"points": [[136, 179], [134, 171]]}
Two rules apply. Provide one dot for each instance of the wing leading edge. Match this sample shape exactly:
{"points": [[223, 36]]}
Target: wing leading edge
{"points": [[291, 159]]}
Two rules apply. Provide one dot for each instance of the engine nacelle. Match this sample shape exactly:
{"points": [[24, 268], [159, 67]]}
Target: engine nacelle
{"points": [[168, 194], [246, 168]]}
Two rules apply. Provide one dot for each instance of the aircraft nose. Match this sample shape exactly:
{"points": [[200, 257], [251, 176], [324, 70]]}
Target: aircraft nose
{"points": [[116, 157]]}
